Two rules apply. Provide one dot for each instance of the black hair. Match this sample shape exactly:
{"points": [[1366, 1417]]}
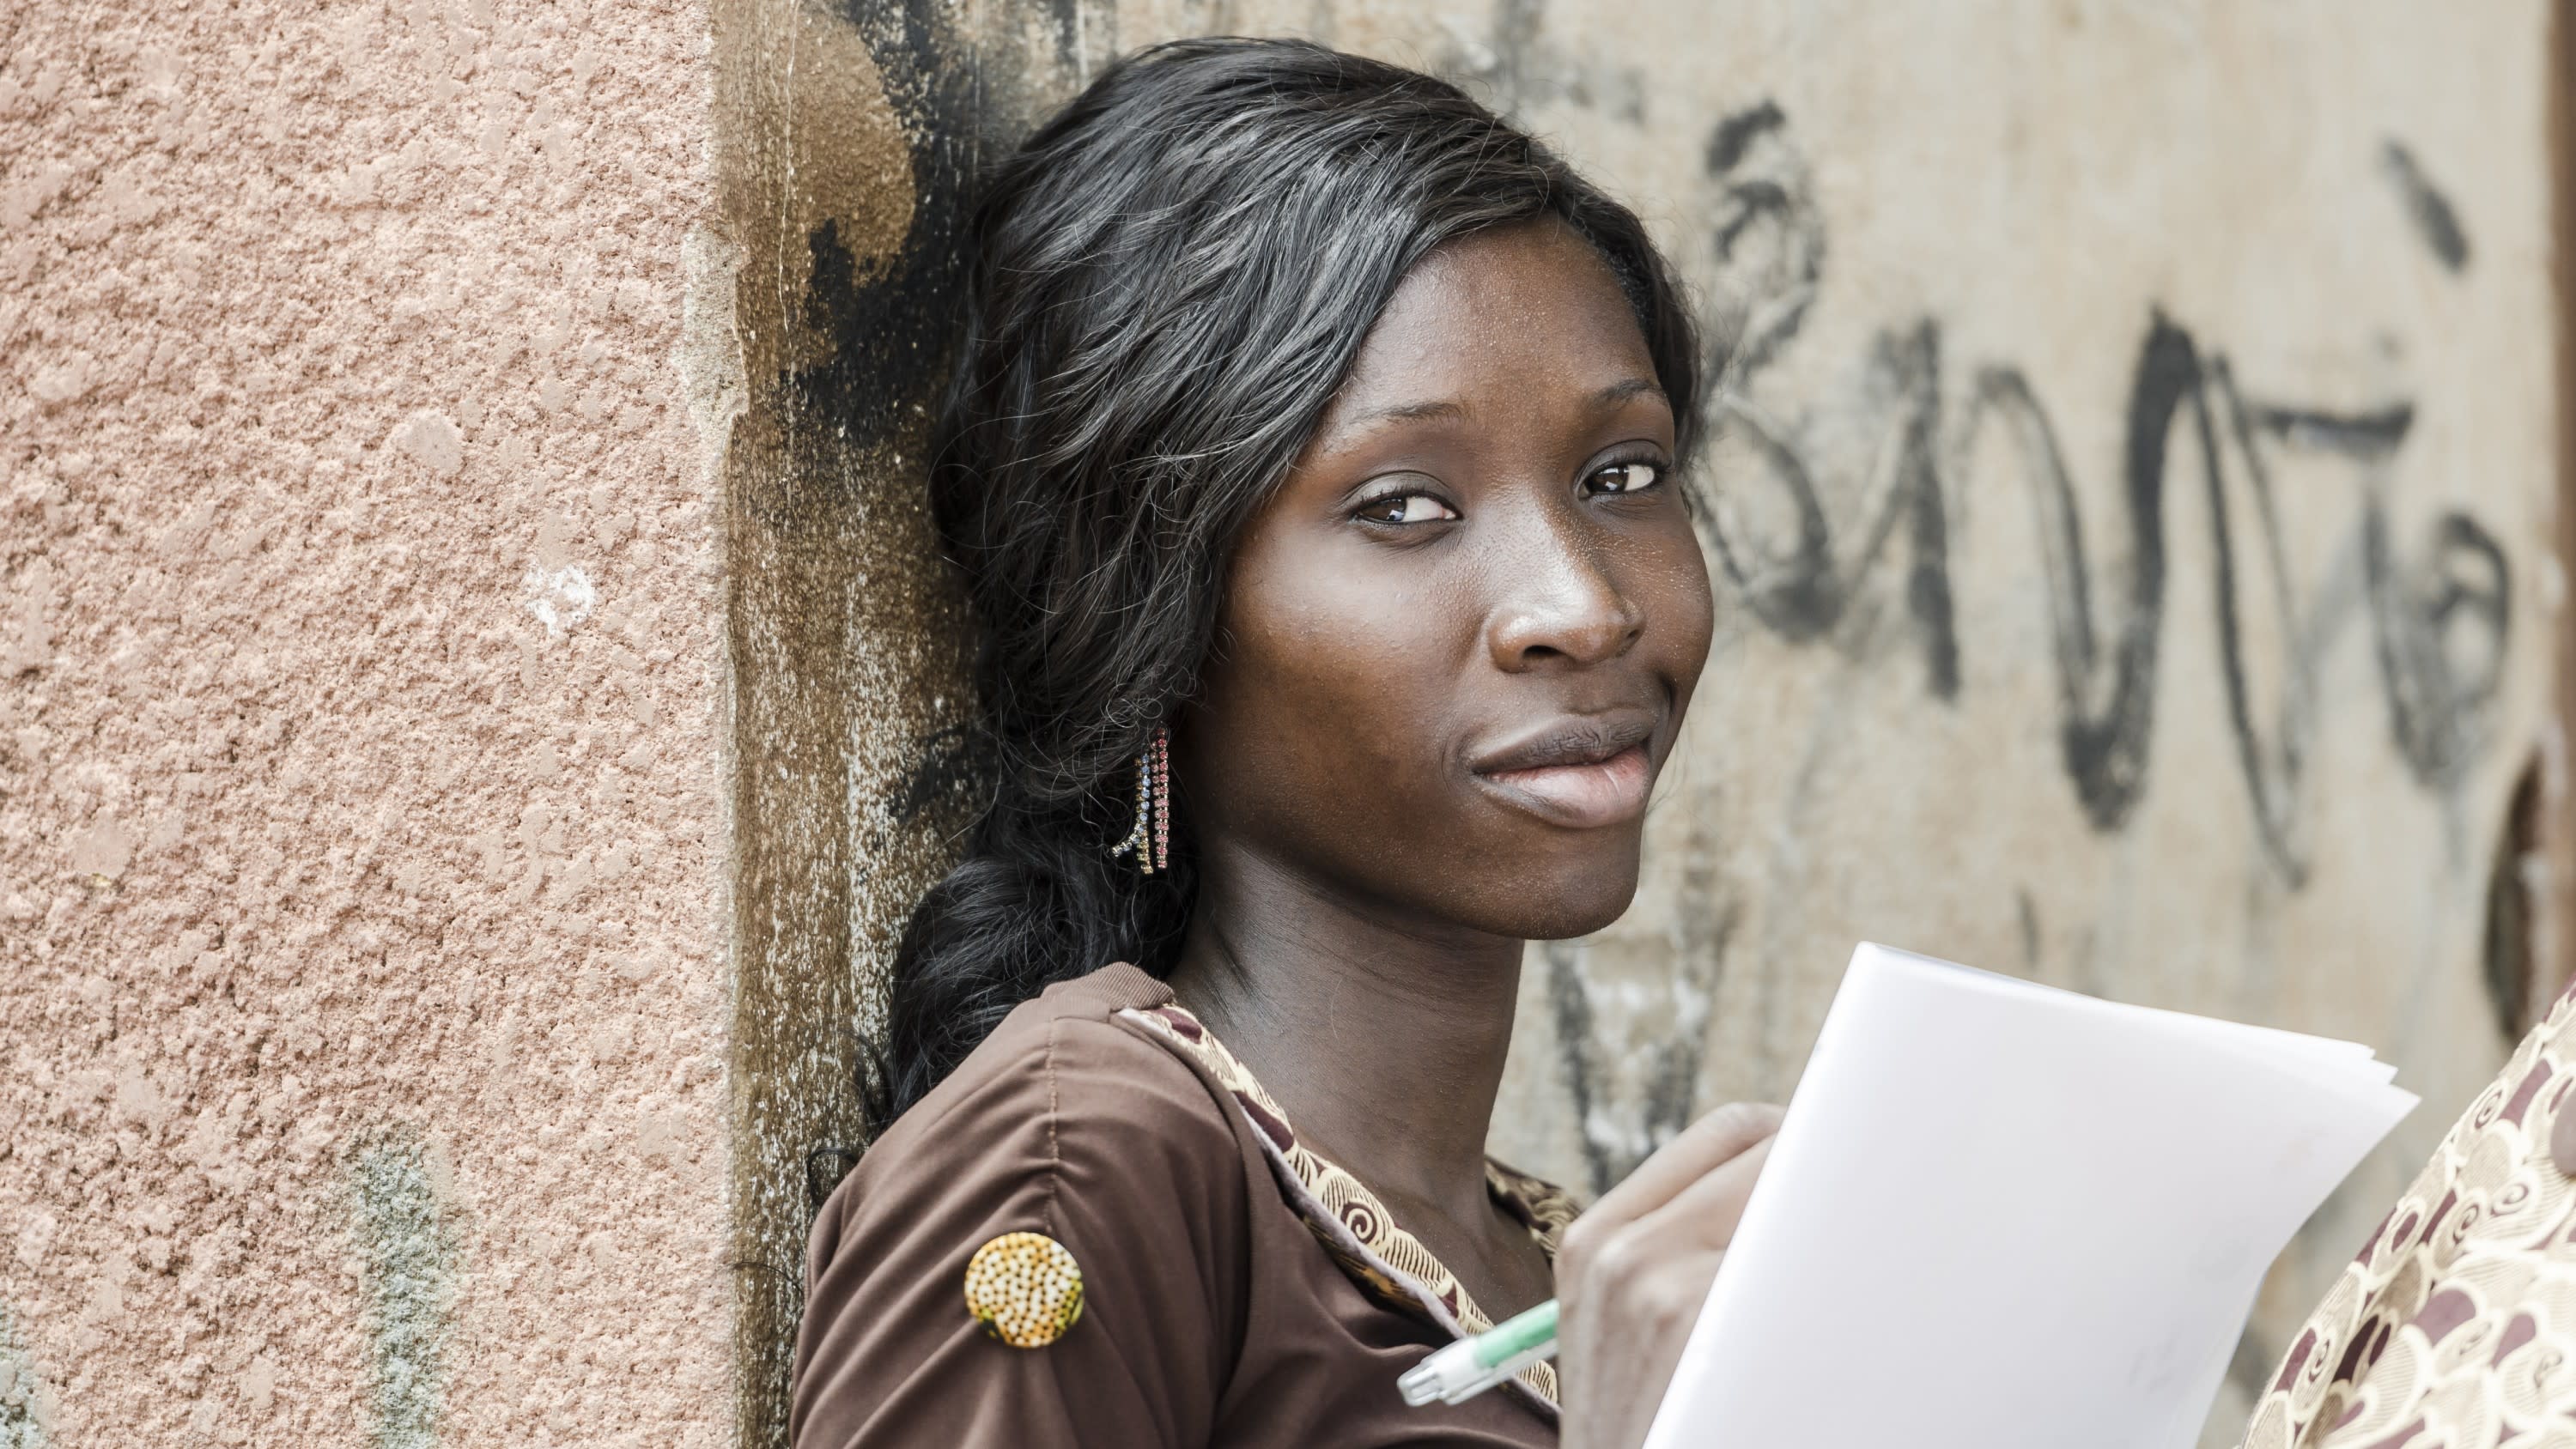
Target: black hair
{"points": [[1170, 280]]}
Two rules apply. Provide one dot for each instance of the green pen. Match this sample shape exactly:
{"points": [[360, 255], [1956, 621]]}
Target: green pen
{"points": [[1472, 1365]]}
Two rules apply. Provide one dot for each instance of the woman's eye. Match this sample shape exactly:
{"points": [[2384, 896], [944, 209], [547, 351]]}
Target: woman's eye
{"points": [[1624, 478], [1406, 508]]}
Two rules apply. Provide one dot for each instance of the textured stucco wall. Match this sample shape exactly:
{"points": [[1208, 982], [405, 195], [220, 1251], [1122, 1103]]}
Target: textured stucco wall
{"points": [[475, 700], [362, 1008]]}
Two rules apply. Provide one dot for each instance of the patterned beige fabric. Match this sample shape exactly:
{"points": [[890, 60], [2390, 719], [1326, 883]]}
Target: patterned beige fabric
{"points": [[1384, 1259], [2456, 1327]]}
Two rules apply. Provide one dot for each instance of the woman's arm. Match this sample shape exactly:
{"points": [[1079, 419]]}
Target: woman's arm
{"points": [[1102, 1143]]}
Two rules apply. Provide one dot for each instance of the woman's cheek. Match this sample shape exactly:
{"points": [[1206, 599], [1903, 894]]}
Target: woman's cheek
{"points": [[1691, 608]]}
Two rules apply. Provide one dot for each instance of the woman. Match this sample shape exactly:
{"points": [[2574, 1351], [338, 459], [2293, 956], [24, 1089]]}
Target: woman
{"points": [[1313, 461]]}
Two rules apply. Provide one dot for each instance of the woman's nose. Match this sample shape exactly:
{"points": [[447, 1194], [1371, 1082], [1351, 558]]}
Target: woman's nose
{"points": [[1558, 604]]}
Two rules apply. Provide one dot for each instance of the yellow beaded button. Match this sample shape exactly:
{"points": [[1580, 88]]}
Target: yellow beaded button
{"points": [[1024, 1288]]}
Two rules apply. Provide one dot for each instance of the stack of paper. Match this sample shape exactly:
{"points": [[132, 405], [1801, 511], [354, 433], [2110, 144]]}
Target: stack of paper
{"points": [[1999, 1214]]}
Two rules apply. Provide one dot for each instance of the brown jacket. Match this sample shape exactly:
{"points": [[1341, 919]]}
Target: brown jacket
{"points": [[1225, 1302]]}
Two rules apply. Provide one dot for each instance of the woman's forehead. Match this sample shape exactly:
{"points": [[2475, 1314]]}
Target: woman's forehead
{"points": [[1490, 310], [1486, 317]]}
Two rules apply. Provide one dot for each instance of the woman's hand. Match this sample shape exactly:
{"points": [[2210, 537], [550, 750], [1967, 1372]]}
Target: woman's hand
{"points": [[1632, 1272]]}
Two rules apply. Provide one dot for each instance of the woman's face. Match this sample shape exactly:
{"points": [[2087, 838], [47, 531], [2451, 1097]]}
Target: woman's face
{"points": [[1457, 644]]}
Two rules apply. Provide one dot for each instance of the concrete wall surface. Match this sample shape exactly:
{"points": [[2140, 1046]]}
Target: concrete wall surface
{"points": [[476, 701]]}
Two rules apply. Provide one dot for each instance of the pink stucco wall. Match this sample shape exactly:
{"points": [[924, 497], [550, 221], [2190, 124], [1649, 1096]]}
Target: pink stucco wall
{"points": [[361, 1009]]}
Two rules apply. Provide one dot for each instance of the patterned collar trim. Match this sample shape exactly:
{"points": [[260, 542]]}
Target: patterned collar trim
{"points": [[1388, 1263]]}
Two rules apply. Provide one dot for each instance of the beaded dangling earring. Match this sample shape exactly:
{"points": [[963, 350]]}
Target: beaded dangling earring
{"points": [[1150, 839]]}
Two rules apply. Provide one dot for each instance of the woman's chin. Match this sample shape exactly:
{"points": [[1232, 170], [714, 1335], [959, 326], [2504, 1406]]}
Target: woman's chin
{"points": [[1563, 909]]}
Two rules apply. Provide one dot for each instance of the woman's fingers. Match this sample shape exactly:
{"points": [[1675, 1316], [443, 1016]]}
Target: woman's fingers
{"points": [[1689, 1157], [1707, 1165], [1705, 1215], [1637, 1260]]}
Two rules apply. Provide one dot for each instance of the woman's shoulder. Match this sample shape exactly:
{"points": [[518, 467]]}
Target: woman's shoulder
{"points": [[1070, 1082], [1075, 1048]]}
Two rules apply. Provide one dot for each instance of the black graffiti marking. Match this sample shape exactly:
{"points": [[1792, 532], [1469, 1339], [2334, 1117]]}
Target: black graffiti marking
{"points": [[2438, 624], [1577, 1033], [2272, 772], [2359, 435], [2441, 631], [1803, 592], [2439, 621], [1918, 481], [1736, 133], [2435, 219], [1670, 1066], [2106, 695], [1670, 1069], [1769, 227]]}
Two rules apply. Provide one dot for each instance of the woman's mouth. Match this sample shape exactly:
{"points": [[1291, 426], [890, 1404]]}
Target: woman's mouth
{"points": [[1579, 794]]}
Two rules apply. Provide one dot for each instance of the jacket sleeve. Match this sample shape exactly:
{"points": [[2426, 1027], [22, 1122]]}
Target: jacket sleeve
{"points": [[1104, 1142]]}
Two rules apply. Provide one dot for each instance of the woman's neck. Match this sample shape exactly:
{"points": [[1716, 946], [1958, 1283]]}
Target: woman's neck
{"points": [[1382, 1038]]}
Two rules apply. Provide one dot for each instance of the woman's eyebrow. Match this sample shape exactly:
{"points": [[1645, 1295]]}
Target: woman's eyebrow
{"points": [[1404, 413], [1622, 391], [1626, 390]]}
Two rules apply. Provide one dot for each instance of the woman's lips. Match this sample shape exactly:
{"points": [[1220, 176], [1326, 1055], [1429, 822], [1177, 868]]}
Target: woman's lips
{"points": [[1580, 796]]}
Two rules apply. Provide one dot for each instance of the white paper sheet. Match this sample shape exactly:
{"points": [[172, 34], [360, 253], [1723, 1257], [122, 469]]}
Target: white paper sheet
{"points": [[1999, 1215]]}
